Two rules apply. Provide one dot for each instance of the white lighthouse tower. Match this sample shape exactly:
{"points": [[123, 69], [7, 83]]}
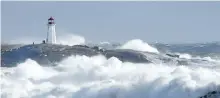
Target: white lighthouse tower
{"points": [[51, 33]]}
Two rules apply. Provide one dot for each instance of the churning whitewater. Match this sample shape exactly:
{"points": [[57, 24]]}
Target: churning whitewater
{"points": [[98, 76]]}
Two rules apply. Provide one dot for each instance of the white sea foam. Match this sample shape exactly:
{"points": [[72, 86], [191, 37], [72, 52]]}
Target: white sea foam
{"points": [[98, 77], [139, 45], [70, 39], [188, 56], [185, 56]]}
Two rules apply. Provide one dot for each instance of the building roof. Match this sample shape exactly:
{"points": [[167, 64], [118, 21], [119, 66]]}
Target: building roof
{"points": [[51, 18]]}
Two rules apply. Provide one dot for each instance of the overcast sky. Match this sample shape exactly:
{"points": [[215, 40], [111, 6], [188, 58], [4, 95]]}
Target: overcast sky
{"points": [[167, 22]]}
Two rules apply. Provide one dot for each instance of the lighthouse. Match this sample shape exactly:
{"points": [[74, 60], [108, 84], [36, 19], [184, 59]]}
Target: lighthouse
{"points": [[51, 33]]}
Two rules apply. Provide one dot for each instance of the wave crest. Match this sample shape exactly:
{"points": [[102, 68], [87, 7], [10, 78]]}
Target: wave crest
{"points": [[98, 77], [71, 39], [139, 45]]}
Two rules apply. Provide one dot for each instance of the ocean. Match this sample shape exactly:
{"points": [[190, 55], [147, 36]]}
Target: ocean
{"points": [[135, 69]]}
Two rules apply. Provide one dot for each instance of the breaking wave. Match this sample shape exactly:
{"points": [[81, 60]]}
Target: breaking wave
{"points": [[186, 56], [139, 45], [98, 77], [70, 39]]}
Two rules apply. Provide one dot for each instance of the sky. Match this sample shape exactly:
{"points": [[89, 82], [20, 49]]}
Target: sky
{"points": [[164, 22]]}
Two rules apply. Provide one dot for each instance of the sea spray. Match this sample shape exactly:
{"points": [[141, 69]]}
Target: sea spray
{"points": [[139, 45], [98, 77], [70, 39]]}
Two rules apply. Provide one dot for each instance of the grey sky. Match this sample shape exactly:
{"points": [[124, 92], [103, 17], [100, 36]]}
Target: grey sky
{"points": [[167, 22]]}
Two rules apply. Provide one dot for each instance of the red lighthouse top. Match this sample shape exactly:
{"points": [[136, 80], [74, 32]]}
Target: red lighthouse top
{"points": [[51, 18]]}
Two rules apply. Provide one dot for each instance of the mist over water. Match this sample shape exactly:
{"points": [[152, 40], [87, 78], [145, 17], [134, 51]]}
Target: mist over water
{"points": [[64, 39], [99, 77], [71, 39]]}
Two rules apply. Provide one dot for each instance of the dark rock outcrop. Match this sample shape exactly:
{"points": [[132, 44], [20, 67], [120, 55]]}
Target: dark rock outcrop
{"points": [[48, 54], [212, 94]]}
